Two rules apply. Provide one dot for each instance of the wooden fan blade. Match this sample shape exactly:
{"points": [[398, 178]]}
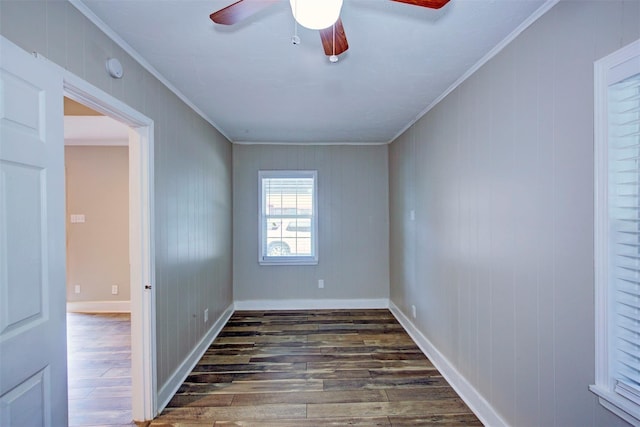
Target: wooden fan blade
{"points": [[326, 35], [431, 4], [239, 10]]}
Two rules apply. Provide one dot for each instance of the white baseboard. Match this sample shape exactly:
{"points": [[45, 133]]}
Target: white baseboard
{"points": [[311, 304], [478, 404], [99, 307], [178, 376]]}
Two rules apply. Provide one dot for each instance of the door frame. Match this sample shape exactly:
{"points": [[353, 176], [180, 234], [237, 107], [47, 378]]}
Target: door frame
{"points": [[141, 236]]}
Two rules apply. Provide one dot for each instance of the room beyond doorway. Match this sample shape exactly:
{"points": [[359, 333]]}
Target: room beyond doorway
{"points": [[97, 207], [97, 268]]}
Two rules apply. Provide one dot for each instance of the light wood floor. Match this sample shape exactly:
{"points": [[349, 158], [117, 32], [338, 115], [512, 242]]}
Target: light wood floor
{"points": [[315, 368], [99, 364]]}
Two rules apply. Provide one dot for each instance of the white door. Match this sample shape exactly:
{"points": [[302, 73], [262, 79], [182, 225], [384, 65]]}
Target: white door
{"points": [[33, 372]]}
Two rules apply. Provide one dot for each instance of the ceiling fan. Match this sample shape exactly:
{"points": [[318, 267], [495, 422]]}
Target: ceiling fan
{"points": [[334, 39]]}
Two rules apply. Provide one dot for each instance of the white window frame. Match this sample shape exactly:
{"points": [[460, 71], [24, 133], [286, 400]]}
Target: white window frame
{"points": [[263, 257], [606, 73]]}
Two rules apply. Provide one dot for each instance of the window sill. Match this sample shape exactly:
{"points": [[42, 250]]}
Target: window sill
{"points": [[625, 409], [288, 261]]}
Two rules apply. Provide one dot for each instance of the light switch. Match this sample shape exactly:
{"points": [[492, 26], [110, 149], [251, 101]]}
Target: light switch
{"points": [[77, 218]]}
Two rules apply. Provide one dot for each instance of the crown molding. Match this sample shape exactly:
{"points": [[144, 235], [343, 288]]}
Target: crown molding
{"points": [[475, 67], [88, 13]]}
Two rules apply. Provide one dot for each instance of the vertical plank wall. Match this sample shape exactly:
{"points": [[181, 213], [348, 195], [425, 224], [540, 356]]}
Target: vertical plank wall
{"points": [[353, 227], [192, 173], [499, 261]]}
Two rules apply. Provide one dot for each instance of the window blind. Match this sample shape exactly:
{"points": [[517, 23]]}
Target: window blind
{"points": [[288, 213], [624, 245]]}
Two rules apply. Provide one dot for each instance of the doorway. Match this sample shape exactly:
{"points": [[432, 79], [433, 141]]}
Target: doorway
{"points": [[141, 258], [98, 285]]}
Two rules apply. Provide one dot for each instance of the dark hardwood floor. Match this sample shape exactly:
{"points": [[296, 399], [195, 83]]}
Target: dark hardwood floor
{"points": [[315, 368], [99, 365]]}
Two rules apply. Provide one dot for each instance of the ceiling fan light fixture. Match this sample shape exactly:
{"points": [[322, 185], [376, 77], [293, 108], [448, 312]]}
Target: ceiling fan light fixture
{"points": [[316, 14]]}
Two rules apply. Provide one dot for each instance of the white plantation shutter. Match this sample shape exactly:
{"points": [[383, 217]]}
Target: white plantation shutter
{"points": [[617, 232], [624, 244]]}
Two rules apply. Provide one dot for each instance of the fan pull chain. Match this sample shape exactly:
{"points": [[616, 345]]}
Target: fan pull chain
{"points": [[333, 58], [295, 39]]}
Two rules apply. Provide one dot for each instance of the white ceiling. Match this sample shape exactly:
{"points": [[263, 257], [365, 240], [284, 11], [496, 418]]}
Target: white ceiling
{"points": [[254, 85]]}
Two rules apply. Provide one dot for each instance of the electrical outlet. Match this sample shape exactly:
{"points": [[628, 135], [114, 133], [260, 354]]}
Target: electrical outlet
{"points": [[114, 290], [206, 315], [76, 289], [321, 283], [413, 311], [412, 215]]}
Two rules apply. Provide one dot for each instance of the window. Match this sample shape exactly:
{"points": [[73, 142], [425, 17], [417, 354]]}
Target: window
{"points": [[288, 217], [617, 232]]}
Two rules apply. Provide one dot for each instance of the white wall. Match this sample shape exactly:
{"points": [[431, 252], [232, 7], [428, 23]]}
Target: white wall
{"points": [[353, 224], [499, 261], [192, 173]]}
